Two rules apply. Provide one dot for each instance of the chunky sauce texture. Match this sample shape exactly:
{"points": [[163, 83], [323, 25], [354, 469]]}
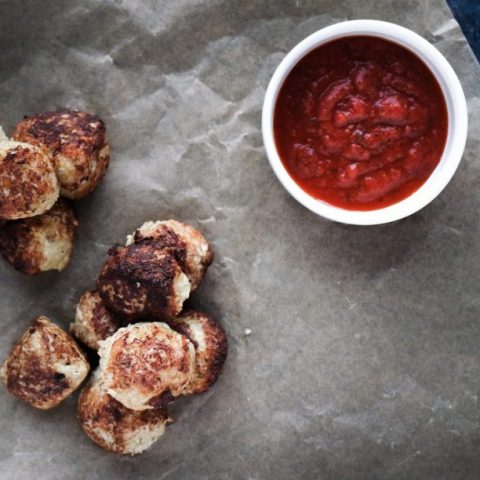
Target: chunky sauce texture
{"points": [[360, 123]]}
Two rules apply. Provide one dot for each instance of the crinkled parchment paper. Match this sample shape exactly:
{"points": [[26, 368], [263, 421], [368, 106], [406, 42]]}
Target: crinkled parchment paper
{"points": [[363, 358]]}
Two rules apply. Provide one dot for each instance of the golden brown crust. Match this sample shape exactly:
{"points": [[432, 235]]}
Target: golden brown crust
{"points": [[76, 142], [192, 249], [28, 185], [165, 239], [142, 362], [40, 243], [45, 366], [93, 321], [211, 347], [114, 427], [140, 281]]}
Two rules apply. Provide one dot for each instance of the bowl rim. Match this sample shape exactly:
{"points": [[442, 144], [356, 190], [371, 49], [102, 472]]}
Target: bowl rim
{"points": [[456, 109]]}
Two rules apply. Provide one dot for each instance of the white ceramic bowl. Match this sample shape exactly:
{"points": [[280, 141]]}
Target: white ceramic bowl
{"points": [[456, 108]]}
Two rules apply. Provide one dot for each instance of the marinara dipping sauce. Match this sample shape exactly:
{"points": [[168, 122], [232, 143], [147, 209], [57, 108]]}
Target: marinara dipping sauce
{"points": [[360, 123]]}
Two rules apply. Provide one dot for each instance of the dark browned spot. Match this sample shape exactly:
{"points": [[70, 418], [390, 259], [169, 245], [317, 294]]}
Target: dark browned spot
{"points": [[137, 270]]}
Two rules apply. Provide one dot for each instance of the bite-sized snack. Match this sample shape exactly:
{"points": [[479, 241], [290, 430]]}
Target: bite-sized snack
{"points": [[163, 238], [192, 249], [210, 344], [144, 364], [76, 143], [40, 243], [93, 321], [142, 281], [28, 185], [114, 427], [45, 366]]}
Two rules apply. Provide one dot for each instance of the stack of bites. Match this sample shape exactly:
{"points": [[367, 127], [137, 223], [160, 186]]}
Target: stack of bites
{"points": [[51, 155], [144, 365]]}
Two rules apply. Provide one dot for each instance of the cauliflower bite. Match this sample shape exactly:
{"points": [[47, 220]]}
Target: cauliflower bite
{"points": [[45, 366], [75, 141], [28, 185], [192, 248], [93, 321], [142, 281], [144, 364], [210, 344], [40, 243], [116, 428]]}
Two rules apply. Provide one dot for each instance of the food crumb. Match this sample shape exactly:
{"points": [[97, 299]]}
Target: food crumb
{"points": [[248, 331]]}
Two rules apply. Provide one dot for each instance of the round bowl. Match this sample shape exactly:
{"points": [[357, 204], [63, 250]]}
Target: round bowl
{"points": [[456, 109]]}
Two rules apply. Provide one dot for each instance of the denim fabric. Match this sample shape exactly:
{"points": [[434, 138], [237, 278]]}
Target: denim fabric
{"points": [[467, 13]]}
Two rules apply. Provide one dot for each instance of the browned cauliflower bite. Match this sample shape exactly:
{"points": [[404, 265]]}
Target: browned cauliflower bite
{"points": [[28, 185], [145, 363], [191, 248], [40, 243], [76, 143], [114, 427], [141, 281], [93, 321], [210, 344], [45, 366]]}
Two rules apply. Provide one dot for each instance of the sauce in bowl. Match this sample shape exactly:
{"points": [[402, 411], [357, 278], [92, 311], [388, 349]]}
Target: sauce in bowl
{"points": [[360, 123]]}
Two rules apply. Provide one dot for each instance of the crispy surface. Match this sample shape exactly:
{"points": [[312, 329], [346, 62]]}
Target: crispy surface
{"points": [[45, 366], [164, 238], [141, 280], [142, 362], [115, 428], [40, 243], [93, 321], [28, 185], [210, 344], [192, 249], [76, 143]]}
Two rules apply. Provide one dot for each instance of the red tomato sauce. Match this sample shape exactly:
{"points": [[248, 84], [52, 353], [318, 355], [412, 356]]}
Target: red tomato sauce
{"points": [[360, 123]]}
